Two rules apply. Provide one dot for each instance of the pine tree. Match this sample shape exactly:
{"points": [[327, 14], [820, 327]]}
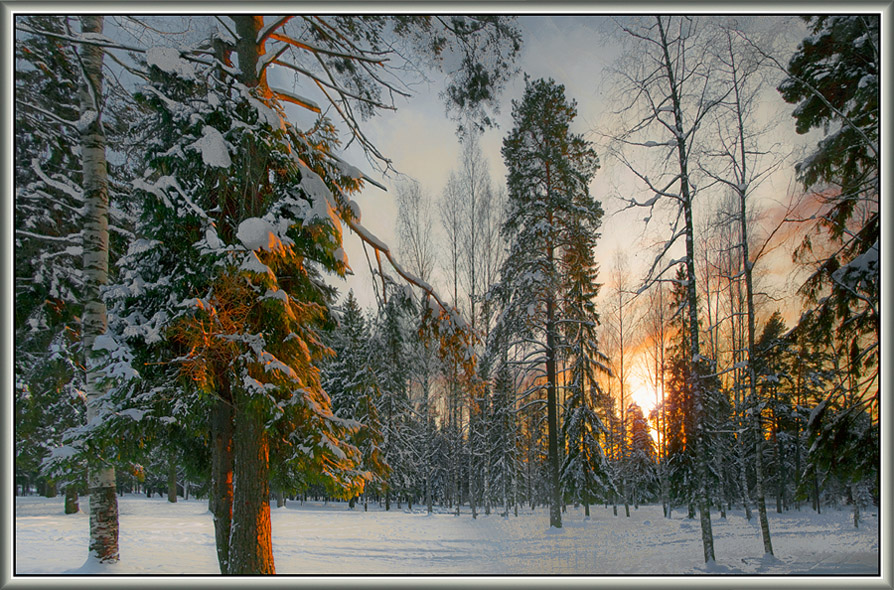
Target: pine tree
{"points": [[584, 469], [246, 307], [680, 409], [550, 168], [393, 374]]}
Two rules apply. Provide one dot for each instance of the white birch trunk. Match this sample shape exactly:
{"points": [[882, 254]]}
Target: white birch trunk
{"points": [[101, 480]]}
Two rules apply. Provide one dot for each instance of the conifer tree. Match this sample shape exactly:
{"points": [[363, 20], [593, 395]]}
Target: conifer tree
{"points": [[48, 241], [642, 455], [245, 310], [833, 78], [350, 379], [550, 168]]}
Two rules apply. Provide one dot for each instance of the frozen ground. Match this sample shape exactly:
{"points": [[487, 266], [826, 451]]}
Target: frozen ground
{"points": [[162, 538]]}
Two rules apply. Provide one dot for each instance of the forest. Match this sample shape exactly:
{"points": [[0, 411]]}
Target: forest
{"points": [[186, 190]]}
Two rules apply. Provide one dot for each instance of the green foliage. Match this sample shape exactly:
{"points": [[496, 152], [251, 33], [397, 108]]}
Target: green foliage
{"points": [[840, 61], [222, 296], [837, 66], [549, 208]]}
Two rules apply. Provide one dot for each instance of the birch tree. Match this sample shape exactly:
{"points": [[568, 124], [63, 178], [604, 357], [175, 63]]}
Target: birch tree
{"points": [[745, 164], [673, 90], [101, 477]]}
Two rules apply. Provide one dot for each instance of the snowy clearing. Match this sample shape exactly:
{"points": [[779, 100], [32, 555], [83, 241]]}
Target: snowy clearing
{"points": [[162, 538]]}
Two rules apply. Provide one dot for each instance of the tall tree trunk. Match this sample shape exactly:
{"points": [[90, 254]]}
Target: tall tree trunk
{"points": [[221, 495], [251, 548], [101, 479], [555, 512], [473, 478], [692, 296]]}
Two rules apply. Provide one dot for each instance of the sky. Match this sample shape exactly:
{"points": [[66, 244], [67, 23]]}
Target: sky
{"points": [[422, 141], [576, 51], [580, 53]]}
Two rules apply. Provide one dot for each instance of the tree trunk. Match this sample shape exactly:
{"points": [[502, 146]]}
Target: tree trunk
{"points": [[172, 482], [71, 499], [691, 294], [220, 502], [101, 478], [251, 549], [756, 414], [555, 512], [473, 480]]}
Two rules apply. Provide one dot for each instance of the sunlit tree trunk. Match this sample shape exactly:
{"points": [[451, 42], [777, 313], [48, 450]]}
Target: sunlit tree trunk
{"points": [[251, 547]]}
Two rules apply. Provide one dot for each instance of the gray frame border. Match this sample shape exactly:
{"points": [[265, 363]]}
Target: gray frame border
{"points": [[8, 8]]}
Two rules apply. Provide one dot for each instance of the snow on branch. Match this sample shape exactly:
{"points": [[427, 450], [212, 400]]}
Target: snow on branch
{"points": [[56, 118], [872, 145], [72, 239], [296, 99], [268, 30], [268, 59], [381, 247], [71, 191]]}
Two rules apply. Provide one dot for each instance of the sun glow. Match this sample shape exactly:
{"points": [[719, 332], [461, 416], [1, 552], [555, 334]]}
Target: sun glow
{"points": [[645, 397]]}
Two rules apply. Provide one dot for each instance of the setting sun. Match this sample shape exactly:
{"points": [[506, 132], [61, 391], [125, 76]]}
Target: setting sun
{"points": [[645, 397]]}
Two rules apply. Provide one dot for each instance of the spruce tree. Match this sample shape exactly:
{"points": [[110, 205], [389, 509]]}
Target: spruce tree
{"points": [[833, 78], [48, 271], [352, 383]]}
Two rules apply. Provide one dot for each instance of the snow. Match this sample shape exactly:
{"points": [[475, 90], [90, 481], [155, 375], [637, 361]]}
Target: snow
{"points": [[157, 537], [105, 342], [253, 264], [256, 233], [355, 209], [349, 171], [167, 59], [213, 148], [85, 120], [133, 414]]}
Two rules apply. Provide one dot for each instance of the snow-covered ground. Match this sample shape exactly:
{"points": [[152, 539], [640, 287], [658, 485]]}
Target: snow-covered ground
{"points": [[162, 538]]}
